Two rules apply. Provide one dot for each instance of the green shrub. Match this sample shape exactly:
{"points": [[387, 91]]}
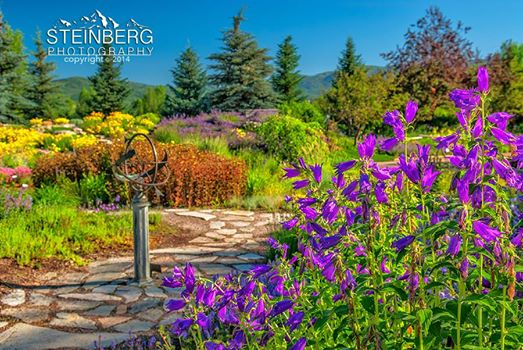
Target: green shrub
{"points": [[289, 237], [167, 134], [56, 194], [289, 138], [92, 189], [303, 110]]}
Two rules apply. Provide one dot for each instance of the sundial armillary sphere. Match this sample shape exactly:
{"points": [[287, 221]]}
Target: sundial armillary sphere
{"points": [[140, 166]]}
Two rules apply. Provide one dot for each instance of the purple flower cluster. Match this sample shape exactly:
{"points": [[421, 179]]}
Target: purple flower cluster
{"points": [[379, 251]]}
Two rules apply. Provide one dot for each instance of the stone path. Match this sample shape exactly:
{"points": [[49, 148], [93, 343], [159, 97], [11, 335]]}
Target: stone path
{"points": [[75, 310]]}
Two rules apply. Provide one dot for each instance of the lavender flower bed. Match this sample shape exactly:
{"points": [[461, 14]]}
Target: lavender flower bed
{"points": [[236, 128]]}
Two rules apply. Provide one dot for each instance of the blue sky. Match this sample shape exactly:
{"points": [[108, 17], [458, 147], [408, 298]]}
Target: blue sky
{"points": [[319, 28]]}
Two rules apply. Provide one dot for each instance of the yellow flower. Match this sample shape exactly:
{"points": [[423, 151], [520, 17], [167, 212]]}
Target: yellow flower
{"points": [[36, 121], [61, 121]]}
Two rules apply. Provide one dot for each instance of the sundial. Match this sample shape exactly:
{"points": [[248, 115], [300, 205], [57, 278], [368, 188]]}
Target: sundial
{"points": [[140, 166]]}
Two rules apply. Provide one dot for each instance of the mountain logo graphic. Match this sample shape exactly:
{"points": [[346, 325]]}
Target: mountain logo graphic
{"points": [[96, 20]]}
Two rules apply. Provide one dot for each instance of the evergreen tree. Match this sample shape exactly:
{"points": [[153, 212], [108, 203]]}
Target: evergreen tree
{"points": [[286, 78], [189, 88], [13, 75], [153, 101], [83, 107], [240, 72], [110, 91], [43, 92], [349, 61]]}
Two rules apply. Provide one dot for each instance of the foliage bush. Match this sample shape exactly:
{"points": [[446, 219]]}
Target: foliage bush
{"points": [[383, 260], [198, 178], [303, 110], [287, 138]]}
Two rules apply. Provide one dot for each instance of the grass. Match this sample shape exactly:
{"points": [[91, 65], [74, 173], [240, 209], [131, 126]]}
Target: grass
{"points": [[60, 231]]}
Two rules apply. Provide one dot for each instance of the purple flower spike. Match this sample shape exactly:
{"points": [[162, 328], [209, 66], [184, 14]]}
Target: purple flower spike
{"points": [[410, 111], [502, 136], [454, 245], [175, 304], [388, 144], [288, 225], [316, 172], [464, 99], [483, 79], [300, 344], [343, 167], [477, 130], [291, 172], [429, 177], [402, 243], [486, 232], [295, 320], [214, 346], [379, 191], [280, 307], [366, 148], [517, 239], [300, 184], [500, 119]]}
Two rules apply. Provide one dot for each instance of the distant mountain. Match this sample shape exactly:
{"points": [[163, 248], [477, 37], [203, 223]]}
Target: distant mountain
{"points": [[73, 86], [314, 85]]}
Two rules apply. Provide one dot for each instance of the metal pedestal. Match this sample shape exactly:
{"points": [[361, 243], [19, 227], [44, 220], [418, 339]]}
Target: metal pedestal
{"points": [[142, 268]]}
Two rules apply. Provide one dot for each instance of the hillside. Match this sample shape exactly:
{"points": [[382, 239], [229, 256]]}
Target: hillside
{"points": [[312, 85], [73, 85]]}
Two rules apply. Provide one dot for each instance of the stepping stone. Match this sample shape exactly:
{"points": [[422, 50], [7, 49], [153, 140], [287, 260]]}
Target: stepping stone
{"points": [[108, 322], [214, 235], [240, 224], [216, 225], [218, 244], [152, 315], [73, 277], [106, 289], [227, 231], [121, 309], [102, 278], [230, 261], [66, 289], [143, 305], [129, 293], [109, 267], [239, 212], [3, 324], [170, 318], [76, 305], [196, 214], [134, 326], [201, 240], [215, 269], [155, 292], [262, 223], [190, 250], [40, 299], [247, 229], [15, 298], [243, 236], [251, 257], [237, 218], [204, 259], [243, 267], [22, 336], [102, 310], [91, 297], [28, 315], [72, 320], [231, 252]]}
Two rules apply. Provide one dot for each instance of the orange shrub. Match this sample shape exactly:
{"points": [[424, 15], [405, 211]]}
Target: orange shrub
{"points": [[198, 178]]}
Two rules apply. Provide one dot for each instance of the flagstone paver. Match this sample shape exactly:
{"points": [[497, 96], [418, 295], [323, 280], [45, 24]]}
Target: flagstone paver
{"points": [[76, 309]]}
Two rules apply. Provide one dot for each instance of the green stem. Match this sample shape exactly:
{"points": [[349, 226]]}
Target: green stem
{"points": [[458, 326], [502, 320], [480, 309]]}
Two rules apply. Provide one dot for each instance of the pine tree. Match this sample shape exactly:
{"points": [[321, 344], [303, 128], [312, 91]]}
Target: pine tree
{"points": [[43, 92], [240, 72], [110, 90], [13, 75], [286, 78], [153, 101], [349, 61], [189, 88]]}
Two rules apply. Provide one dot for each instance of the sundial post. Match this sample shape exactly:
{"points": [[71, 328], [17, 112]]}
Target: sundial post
{"points": [[142, 172]]}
